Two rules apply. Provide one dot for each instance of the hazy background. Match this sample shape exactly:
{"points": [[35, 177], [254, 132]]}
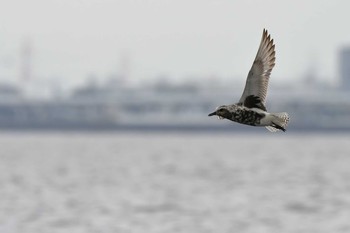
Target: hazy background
{"points": [[70, 40], [104, 126]]}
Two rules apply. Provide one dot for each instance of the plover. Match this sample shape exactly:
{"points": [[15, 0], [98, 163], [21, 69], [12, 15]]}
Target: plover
{"points": [[251, 109]]}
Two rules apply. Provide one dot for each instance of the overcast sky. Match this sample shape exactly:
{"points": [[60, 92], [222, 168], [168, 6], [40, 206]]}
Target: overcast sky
{"points": [[74, 38]]}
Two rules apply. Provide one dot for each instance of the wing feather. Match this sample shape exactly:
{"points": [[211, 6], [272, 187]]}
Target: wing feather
{"points": [[259, 74]]}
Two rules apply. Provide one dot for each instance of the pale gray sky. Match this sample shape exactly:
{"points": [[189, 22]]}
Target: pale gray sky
{"points": [[72, 38]]}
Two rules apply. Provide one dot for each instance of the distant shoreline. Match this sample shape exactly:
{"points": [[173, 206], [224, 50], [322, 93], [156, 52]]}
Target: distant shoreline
{"points": [[161, 128]]}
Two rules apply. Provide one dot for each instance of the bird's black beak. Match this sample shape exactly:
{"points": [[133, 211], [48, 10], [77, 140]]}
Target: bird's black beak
{"points": [[212, 114]]}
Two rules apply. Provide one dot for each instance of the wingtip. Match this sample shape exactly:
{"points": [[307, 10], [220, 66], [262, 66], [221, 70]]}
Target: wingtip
{"points": [[266, 38]]}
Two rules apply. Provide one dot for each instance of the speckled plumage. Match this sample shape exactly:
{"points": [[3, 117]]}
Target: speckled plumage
{"points": [[244, 115]]}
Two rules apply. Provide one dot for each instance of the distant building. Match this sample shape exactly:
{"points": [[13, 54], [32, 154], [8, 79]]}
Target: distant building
{"points": [[26, 60], [344, 62], [8, 91]]}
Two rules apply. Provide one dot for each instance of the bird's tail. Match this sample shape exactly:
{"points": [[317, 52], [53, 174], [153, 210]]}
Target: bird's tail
{"points": [[279, 122]]}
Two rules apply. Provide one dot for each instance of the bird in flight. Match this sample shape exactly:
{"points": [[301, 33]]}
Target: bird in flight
{"points": [[251, 109]]}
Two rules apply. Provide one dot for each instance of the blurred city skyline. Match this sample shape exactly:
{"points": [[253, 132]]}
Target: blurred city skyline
{"points": [[66, 41]]}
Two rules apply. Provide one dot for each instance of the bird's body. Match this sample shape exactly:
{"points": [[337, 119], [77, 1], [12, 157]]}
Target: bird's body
{"points": [[244, 115], [253, 116], [251, 110]]}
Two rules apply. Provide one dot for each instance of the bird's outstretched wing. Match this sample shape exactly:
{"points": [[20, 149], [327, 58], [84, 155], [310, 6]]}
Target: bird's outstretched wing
{"points": [[258, 76]]}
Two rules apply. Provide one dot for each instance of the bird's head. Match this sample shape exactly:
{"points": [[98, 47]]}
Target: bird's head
{"points": [[222, 112]]}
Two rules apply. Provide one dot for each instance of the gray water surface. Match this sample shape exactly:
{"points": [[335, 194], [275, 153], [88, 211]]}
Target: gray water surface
{"points": [[96, 182]]}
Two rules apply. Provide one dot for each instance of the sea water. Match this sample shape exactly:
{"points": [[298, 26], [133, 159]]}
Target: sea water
{"points": [[174, 182]]}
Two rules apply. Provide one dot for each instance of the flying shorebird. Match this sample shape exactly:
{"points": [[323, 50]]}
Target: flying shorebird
{"points": [[251, 109]]}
